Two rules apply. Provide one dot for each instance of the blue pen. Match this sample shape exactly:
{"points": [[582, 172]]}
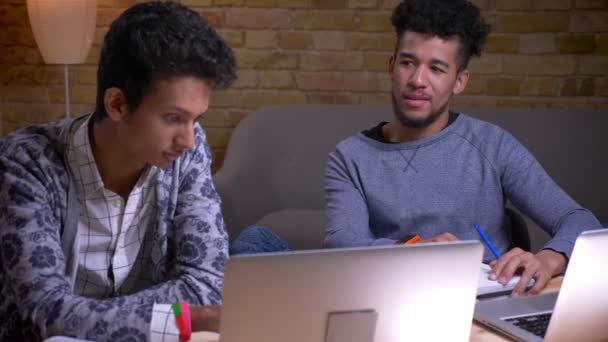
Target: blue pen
{"points": [[487, 241]]}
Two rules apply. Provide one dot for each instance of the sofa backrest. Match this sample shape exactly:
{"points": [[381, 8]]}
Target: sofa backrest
{"points": [[276, 157], [273, 169]]}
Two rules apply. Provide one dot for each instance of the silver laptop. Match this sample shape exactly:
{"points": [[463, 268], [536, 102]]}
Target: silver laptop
{"points": [[381, 294], [578, 313]]}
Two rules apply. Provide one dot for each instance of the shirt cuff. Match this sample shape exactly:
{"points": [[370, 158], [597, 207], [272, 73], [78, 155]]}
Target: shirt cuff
{"points": [[163, 326]]}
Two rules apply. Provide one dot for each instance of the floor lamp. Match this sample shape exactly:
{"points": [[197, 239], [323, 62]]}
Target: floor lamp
{"points": [[64, 31]]}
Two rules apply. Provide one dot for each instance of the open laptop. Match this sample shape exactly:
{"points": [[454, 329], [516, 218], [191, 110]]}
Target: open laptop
{"points": [[382, 294], [578, 313]]}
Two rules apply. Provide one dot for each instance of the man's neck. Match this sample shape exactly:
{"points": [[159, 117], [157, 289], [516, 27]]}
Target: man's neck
{"points": [[118, 172], [395, 131]]}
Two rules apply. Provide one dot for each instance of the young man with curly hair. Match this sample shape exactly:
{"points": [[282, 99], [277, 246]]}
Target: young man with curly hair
{"points": [[436, 172], [108, 219]]}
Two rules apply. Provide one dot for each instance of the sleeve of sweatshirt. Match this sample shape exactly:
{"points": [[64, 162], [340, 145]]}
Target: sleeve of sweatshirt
{"points": [[37, 295], [533, 191], [347, 215]]}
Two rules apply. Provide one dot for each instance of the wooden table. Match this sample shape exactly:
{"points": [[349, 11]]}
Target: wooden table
{"points": [[480, 333]]}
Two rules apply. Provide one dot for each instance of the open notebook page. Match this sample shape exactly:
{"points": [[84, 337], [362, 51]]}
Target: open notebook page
{"points": [[487, 286], [204, 336]]}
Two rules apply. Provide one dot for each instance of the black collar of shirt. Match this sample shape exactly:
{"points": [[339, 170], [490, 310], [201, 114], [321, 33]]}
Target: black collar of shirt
{"points": [[376, 131]]}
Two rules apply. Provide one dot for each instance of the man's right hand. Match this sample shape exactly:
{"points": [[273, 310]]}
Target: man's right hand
{"points": [[443, 237], [206, 318]]}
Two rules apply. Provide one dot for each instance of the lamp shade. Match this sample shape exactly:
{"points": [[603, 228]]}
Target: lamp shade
{"points": [[63, 29]]}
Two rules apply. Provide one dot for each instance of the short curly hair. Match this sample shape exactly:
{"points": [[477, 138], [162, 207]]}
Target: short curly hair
{"points": [[445, 19], [158, 40]]}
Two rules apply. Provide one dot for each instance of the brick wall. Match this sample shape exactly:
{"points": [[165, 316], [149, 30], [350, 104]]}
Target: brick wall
{"points": [[542, 53]]}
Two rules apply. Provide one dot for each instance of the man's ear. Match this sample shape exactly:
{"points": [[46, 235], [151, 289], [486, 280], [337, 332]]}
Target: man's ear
{"points": [[391, 64], [115, 103], [462, 77]]}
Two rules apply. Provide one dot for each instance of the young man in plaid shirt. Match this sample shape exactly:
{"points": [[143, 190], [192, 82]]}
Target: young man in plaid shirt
{"points": [[108, 219]]}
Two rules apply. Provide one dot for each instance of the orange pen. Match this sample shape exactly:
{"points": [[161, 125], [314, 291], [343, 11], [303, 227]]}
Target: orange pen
{"points": [[413, 240]]}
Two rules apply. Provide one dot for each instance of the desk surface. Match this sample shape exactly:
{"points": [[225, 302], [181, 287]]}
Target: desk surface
{"points": [[478, 332]]}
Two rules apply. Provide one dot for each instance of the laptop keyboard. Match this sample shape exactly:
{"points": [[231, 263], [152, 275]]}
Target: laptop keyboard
{"points": [[536, 324]]}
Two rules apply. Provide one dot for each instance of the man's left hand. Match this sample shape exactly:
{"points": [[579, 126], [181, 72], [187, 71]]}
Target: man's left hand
{"points": [[541, 267]]}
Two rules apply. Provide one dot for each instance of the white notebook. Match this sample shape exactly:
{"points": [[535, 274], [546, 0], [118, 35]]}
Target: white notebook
{"points": [[488, 287], [204, 336]]}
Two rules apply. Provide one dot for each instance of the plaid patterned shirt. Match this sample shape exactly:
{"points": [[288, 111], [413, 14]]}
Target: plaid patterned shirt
{"points": [[111, 233]]}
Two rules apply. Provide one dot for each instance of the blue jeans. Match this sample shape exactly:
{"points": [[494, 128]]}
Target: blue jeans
{"points": [[255, 240]]}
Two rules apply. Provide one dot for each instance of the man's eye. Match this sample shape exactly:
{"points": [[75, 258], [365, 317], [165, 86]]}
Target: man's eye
{"points": [[172, 118]]}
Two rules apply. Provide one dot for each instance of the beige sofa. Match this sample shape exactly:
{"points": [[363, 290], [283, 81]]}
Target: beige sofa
{"points": [[273, 171]]}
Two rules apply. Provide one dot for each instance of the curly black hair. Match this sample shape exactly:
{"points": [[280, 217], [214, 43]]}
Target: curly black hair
{"points": [[445, 19], [158, 40]]}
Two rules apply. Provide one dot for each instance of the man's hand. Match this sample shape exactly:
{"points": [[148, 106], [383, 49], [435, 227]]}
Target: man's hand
{"points": [[443, 237], [206, 318], [541, 266]]}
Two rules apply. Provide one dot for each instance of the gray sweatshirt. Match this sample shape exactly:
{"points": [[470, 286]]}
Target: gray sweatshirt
{"points": [[377, 193]]}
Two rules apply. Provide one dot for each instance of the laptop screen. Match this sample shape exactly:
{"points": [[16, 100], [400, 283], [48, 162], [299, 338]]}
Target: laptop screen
{"points": [[390, 293], [581, 310]]}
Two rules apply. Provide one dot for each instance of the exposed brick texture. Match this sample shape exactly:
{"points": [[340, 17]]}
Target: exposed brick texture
{"points": [[542, 53]]}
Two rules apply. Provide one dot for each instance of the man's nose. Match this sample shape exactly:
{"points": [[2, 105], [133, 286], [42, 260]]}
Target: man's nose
{"points": [[418, 78], [185, 140]]}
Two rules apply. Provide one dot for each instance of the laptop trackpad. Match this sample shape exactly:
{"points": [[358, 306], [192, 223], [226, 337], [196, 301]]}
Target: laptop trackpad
{"points": [[352, 326]]}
